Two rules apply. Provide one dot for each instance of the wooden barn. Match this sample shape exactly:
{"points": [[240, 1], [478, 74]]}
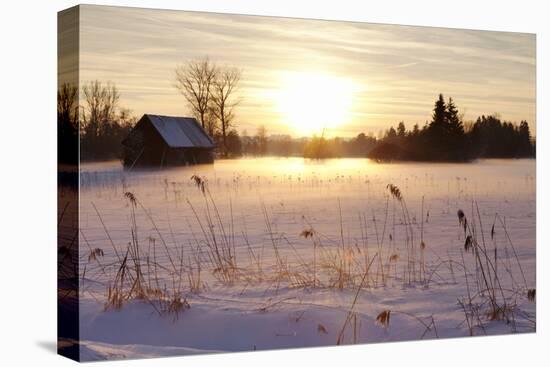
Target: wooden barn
{"points": [[160, 141]]}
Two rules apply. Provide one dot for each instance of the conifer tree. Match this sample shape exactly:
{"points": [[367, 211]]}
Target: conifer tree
{"points": [[455, 125], [439, 117]]}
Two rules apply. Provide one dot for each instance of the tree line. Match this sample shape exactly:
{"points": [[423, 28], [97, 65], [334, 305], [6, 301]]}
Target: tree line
{"points": [[99, 124], [283, 145], [447, 138], [210, 93]]}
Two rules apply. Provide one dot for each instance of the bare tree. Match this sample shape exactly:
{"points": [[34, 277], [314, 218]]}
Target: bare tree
{"points": [[224, 102], [101, 102], [67, 123], [126, 118], [194, 81], [211, 122], [67, 105], [99, 124]]}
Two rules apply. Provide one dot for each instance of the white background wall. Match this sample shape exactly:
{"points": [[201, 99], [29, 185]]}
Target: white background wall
{"points": [[28, 180]]}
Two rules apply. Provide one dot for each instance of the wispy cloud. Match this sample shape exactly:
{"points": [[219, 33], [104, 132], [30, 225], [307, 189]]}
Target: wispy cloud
{"points": [[401, 68]]}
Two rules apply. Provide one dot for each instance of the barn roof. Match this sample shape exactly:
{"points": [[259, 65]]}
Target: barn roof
{"points": [[180, 132]]}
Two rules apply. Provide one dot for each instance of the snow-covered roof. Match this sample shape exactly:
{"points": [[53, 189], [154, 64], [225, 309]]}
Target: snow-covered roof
{"points": [[181, 132]]}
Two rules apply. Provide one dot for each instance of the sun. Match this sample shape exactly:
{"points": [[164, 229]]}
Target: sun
{"points": [[312, 103]]}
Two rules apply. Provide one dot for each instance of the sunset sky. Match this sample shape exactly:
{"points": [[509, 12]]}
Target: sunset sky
{"points": [[300, 76]]}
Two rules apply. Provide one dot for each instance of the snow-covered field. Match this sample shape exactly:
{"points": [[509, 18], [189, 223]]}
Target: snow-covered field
{"points": [[275, 253]]}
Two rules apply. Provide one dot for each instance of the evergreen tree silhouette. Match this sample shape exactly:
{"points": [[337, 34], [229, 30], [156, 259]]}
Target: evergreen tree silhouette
{"points": [[439, 116], [401, 130], [438, 137], [456, 148], [455, 125]]}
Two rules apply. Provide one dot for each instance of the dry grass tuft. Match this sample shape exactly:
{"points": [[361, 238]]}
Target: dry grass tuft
{"points": [[130, 196], [175, 305], [95, 253], [307, 233], [321, 329], [199, 182], [468, 243], [395, 192], [531, 294], [384, 318], [500, 313], [462, 221]]}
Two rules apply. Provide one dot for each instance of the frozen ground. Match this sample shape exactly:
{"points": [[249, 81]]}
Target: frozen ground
{"points": [[259, 210]]}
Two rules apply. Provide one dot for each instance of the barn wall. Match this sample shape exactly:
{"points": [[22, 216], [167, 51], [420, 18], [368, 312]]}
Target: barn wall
{"points": [[188, 156], [144, 147]]}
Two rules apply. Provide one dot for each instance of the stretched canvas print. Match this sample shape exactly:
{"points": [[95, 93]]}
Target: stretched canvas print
{"points": [[242, 183]]}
